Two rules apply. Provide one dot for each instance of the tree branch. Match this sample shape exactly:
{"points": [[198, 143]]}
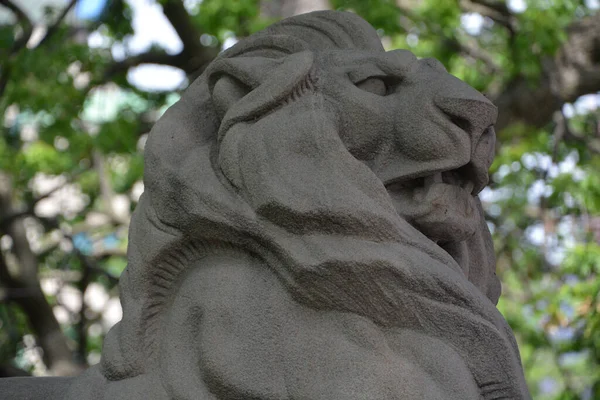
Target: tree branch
{"points": [[25, 22], [496, 11], [29, 209], [573, 72], [57, 354], [198, 56], [497, 6], [178, 16], [472, 50], [21, 42], [192, 59], [54, 27], [149, 57]]}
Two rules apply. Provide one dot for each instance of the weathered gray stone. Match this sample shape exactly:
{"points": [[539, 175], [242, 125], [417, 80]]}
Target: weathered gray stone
{"points": [[311, 230]]}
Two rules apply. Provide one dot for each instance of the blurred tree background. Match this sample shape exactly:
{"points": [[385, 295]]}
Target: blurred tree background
{"points": [[81, 83]]}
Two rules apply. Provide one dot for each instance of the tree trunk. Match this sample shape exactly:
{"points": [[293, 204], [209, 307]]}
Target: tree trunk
{"points": [[24, 281]]}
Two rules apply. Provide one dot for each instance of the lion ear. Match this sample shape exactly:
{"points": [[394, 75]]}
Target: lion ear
{"points": [[245, 87], [230, 79], [227, 91]]}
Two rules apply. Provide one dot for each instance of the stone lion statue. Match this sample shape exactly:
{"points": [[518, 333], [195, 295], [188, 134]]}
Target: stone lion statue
{"points": [[310, 230]]}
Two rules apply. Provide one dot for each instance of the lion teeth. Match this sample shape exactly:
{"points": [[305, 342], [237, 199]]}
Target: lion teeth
{"points": [[469, 186], [435, 178]]}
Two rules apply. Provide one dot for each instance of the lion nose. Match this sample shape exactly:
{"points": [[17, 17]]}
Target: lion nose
{"points": [[468, 109]]}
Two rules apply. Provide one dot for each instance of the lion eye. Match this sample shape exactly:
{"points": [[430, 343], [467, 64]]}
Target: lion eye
{"points": [[373, 85]]}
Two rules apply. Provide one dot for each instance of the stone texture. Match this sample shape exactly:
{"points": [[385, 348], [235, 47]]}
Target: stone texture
{"points": [[310, 229]]}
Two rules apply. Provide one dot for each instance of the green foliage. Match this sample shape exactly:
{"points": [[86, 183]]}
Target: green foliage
{"points": [[383, 16], [42, 157], [117, 19], [222, 18]]}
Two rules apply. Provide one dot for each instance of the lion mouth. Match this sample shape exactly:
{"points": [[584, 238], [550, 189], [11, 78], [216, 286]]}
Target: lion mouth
{"points": [[442, 206], [467, 177]]}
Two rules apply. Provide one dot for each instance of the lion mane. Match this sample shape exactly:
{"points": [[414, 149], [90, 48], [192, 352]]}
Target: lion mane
{"points": [[266, 175]]}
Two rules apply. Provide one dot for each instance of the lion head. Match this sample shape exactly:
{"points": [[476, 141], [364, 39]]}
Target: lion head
{"points": [[350, 171]]}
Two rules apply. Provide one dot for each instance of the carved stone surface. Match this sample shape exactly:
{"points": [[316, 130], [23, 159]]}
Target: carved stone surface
{"points": [[310, 230]]}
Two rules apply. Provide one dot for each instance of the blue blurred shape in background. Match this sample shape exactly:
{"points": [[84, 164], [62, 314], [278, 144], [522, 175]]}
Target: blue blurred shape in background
{"points": [[89, 9]]}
